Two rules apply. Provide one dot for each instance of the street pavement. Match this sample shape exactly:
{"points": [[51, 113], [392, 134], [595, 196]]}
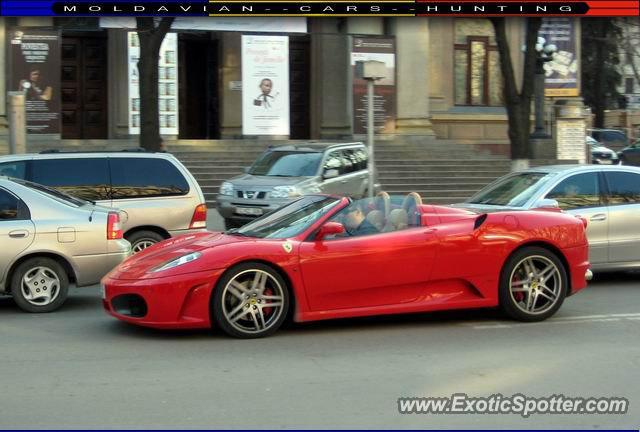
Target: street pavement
{"points": [[80, 368]]}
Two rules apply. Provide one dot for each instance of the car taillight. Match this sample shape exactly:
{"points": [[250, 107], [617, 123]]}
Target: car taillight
{"points": [[199, 219], [114, 230]]}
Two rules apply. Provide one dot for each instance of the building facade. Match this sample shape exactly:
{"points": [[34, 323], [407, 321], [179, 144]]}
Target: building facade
{"points": [[448, 84]]}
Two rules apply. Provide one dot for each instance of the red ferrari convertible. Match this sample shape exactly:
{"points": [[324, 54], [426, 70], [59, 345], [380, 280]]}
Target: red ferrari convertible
{"points": [[323, 257]]}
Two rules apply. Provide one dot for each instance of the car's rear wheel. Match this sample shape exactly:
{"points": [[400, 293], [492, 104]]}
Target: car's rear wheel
{"points": [[140, 240], [39, 285], [250, 301], [533, 284]]}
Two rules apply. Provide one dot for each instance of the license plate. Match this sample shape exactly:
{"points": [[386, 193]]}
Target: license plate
{"points": [[103, 292], [249, 211]]}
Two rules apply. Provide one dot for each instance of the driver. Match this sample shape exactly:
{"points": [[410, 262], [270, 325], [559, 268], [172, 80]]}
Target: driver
{"points": [[355, 222]]}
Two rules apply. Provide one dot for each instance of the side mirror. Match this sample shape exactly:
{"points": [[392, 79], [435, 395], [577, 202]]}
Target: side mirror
{"points": [[330, 228], [331, 173], [547, 204]]}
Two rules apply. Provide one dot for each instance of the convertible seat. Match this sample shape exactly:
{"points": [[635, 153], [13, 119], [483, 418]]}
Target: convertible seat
{"points": [[411, 205], [397, 220], [376, 218]]}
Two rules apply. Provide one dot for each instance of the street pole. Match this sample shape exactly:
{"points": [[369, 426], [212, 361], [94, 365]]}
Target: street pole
{"points": [[17, 123], [370, 133], [539, 131]]}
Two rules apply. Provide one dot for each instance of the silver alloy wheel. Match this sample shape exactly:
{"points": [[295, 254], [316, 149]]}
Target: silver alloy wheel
{"points": [[40, 286], [252, 301], [142, 245], [535, 284]]}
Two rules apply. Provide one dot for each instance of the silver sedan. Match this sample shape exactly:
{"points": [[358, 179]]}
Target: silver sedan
{"points": [[49, 239], [607, 196]]}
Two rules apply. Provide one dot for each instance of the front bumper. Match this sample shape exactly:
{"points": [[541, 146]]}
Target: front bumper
{"points": [[231, 207], [173, 302]]}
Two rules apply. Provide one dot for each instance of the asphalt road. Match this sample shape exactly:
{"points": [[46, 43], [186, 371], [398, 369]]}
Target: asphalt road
{"points": [[79, 368]]}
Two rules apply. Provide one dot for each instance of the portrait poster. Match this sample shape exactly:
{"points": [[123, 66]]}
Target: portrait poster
{"points": [[561, 73], [265, 85], [167, 84], [34, 69], [384, 97]]}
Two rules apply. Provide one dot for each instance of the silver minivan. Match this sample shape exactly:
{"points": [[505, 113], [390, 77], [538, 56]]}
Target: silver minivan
{"points": [[158, 196], [284, 173]]}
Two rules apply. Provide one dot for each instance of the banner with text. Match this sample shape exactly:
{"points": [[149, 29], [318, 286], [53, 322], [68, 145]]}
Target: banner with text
{"points": [[265, 85], [561, 73], [167, 84], [384, 99], [35, 70]]}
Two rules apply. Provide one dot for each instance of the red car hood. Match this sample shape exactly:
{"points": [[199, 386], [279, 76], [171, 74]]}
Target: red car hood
{"points": [[140, 264]]}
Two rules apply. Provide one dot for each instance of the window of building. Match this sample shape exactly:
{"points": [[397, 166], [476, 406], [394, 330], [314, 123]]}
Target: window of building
{"points": [[478, 80]]}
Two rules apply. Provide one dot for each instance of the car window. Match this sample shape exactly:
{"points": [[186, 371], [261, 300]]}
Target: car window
{"points": [[145, 177], [8, 206], [624, 187], [577, 191], [289, 220], [86, 178], [512, 190], [287, 164], [335, 161], [15, 169], [614, 136]]}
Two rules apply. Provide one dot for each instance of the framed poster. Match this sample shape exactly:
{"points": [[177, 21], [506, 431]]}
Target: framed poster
{"points": [[265, 85]]}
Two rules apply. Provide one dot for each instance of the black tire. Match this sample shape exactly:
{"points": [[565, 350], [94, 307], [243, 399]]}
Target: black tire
{"points": [[516, 304], [256, 310], [50, 270], [141, 240]]}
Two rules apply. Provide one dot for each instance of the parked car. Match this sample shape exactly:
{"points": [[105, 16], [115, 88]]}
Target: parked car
{"points": [[159, 196], [608, 196], [282, 174], [313, 258], [611, 138], [50, 239], [630, 155], [600, 154]]}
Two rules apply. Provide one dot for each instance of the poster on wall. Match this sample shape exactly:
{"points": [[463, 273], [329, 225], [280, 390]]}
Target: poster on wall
{"points": [[384, 98], [265, 85], [167, 85], [34, 69], [561, 73]]}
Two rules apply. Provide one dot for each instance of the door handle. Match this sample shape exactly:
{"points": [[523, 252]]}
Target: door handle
{"points": [[18, 234], [598, 217]]}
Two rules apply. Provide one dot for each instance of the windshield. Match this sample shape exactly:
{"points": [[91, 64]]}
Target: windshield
{"points": [[53, 193], [287, 164], [290, 220], [513, 190]]}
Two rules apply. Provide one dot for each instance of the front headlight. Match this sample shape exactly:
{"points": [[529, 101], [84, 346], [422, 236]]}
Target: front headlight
{"points": [[226, 188], [184, 259], [285, 192]]}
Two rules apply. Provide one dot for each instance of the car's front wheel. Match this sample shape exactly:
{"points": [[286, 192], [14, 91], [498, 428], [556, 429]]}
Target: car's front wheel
{"points": [[250, 301], [533, 284], [39, 285]]}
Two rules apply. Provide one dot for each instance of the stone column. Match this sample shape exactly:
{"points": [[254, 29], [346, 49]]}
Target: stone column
{"points": [[412, 76], [230, 98], [570, 130], [330, 81], [118, 64]]}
